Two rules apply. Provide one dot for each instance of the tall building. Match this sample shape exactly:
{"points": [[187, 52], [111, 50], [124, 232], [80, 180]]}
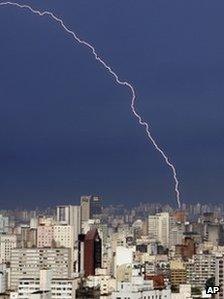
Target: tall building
{"points": [[63, 236], [199, 269], [92, 252], [123, 263], [158, 228], [219, 271], [7, 243], [26, 263], [85, 208], [214, 234], [44, 236], [95, 206], [177, 230], [152, 227], [28, 236], [70, 215], [4, 224], [178, 273], [91, 207]]}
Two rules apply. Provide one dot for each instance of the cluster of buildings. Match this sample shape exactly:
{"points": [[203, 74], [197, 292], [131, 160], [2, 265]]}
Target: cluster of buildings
{"points": [[91, 251]]}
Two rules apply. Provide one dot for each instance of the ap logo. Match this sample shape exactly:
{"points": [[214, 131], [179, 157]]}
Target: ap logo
{"points": [[212, 290]]}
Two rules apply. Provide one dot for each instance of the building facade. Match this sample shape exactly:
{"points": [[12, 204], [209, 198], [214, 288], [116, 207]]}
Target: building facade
{"points": [[26, 263]]}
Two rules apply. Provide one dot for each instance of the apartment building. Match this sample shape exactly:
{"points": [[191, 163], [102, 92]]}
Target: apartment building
{"points": [[26, 263]]}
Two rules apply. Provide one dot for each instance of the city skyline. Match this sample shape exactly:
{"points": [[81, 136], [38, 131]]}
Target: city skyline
{"points": [[91, 251]]}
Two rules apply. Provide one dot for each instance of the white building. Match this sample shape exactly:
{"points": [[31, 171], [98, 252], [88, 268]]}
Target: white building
{"points": [[47, 288], [105, 282], [59, 289], [139, 289], [123, 256], [26, 263], [7, 243], [34, 222], [199, 269], [63, 288], [44, 236], [63, 235], [85, 208], [176, 232], [70, 215], [4, 224], [158, 228], [152, 227]]}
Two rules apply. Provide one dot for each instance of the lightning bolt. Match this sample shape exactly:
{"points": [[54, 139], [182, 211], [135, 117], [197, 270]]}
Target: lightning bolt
{"points": [[118, 81]]}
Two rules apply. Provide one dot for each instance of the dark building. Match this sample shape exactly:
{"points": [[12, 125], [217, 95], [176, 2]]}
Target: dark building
{"points": [[92, 252], [187, 249], [214, 233], [95, 206]]}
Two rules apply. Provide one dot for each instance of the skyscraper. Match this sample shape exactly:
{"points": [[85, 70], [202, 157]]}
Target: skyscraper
{"points": [[158, 228], [85, 208], [95, 206], [70, 215], [91, 207], [92, 252]]}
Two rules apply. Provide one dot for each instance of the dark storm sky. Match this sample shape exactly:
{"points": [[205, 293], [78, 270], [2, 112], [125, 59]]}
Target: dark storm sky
{"points": [[66, 128]]}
